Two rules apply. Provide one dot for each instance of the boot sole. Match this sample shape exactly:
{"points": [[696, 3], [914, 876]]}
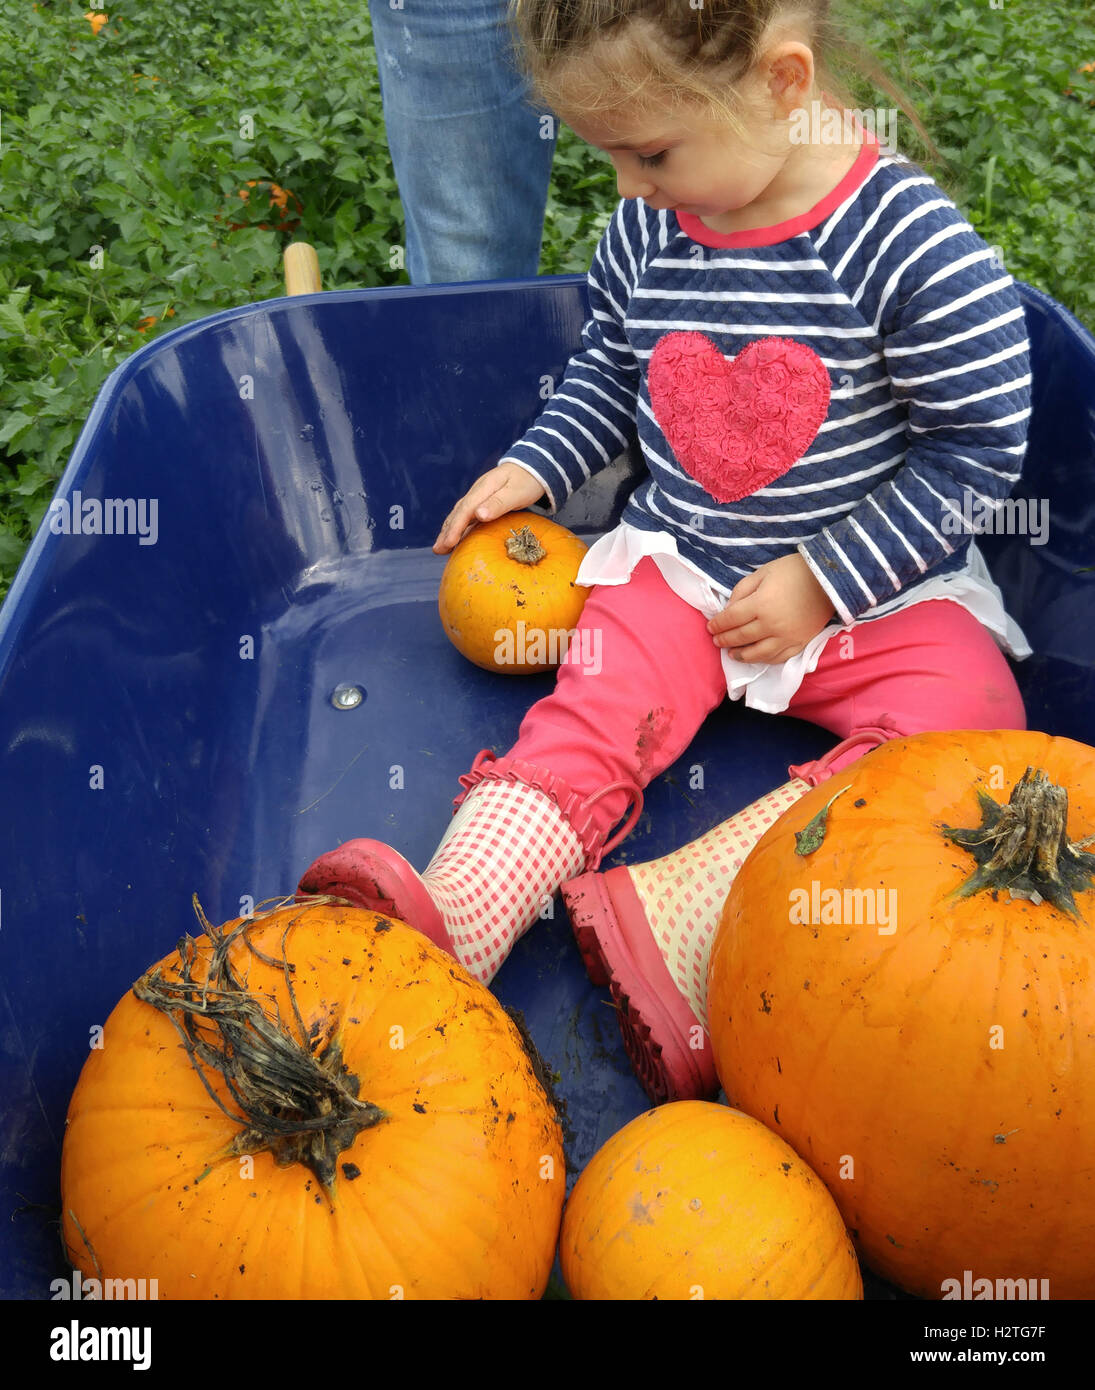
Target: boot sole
{"points": [[656, 1021]]}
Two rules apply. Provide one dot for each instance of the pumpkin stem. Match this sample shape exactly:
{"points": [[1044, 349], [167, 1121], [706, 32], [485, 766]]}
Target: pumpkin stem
{"points": [[298, 1100], [1024, 847], [524, 547]]}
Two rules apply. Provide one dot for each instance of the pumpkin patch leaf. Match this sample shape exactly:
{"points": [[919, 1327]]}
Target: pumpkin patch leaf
{"points": [[812, 834]]}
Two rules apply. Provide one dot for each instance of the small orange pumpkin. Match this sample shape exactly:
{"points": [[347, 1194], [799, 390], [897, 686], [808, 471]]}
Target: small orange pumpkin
{"points": [[694, 1200], [508, 599], [316, 1102], [903, 986]]}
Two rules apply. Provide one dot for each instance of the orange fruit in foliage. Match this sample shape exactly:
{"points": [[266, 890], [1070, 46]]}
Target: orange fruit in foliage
{"points": [[694, 1200], [316, 1102], [150, 319], [279, 198], [96, 19], [508, 599]]}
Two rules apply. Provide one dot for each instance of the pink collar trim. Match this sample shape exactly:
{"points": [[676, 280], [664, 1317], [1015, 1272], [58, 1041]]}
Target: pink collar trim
{"points": [[692, 227]]}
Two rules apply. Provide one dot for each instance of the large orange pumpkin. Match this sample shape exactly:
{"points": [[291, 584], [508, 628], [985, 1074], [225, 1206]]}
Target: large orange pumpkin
{"points": [[508, 600], [904, 989], [693, 1200], [342, 1113]]}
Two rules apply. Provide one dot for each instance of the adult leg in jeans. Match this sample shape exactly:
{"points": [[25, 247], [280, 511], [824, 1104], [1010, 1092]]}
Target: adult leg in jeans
{"points": [[472, 158]]}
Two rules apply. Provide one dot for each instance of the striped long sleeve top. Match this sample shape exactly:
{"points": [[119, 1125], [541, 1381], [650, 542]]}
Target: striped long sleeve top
{"points": [[850, 384]]}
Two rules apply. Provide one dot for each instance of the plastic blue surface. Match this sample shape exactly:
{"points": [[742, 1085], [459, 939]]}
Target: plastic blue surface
{"points": [[302, 453]]}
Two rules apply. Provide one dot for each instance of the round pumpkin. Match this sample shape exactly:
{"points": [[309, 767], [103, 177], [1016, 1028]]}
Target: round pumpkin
{"points": [[314, 1103], [694, 1200], [508, 599], [903, 986]]}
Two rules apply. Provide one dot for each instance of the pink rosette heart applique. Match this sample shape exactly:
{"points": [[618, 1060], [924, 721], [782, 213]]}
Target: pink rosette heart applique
{"points": [[737, 424]]}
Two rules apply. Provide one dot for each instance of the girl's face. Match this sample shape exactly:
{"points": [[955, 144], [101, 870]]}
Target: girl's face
{"points": [[693, 163]]}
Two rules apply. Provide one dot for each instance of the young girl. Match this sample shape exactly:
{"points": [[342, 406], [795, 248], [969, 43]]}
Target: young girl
{"points": [[822, 361]]}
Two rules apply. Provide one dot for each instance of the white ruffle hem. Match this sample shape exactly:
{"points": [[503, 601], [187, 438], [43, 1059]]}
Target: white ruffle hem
{"points": [[770, 688]]}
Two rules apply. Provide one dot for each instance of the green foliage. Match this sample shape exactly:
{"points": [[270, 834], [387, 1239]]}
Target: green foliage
{"points": [[990, 85], [123, 155], [121, 166]]}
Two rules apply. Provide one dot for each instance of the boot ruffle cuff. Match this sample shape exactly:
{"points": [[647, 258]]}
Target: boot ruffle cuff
{"points": [[580, 812]]}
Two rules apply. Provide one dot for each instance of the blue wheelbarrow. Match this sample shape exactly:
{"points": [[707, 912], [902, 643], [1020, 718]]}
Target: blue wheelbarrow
{"points": [[252, 669]]}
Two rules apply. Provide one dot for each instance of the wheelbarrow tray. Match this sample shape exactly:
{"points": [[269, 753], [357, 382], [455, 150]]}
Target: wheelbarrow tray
{"points": [[166, 716]]}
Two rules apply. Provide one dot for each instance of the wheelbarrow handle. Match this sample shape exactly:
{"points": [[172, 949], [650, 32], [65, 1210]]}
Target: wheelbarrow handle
{"points": [[301, 268]]}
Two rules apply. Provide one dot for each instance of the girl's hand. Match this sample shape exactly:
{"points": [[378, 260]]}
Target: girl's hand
{"points": [[773, 612], [505, 488]]}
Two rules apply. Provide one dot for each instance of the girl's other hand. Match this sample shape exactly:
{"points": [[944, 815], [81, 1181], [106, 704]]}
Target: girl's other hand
{"points": [[773, 612], [505, 488]]}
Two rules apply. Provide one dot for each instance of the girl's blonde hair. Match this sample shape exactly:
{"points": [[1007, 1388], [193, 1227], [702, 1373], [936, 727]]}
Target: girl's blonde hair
{"points": [[666, 53]]}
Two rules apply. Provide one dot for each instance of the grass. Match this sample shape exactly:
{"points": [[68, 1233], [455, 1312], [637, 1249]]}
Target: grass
{"points": [[124, 153]]}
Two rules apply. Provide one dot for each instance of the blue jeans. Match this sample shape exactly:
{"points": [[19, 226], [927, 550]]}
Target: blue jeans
{"points": [[470, 160]]}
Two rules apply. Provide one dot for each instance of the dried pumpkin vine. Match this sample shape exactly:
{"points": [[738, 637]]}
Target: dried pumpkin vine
{"points": [[297, 1099]]}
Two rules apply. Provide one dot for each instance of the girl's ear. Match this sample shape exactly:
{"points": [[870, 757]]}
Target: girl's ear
{"points": [[790, 72]]}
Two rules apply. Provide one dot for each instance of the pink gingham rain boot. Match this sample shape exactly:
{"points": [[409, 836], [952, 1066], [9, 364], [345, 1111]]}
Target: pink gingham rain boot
{"points": [[508, 848], [646, 930]]}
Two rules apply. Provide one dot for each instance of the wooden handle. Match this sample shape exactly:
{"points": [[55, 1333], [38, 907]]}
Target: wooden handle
{"points": [[301, 268]]}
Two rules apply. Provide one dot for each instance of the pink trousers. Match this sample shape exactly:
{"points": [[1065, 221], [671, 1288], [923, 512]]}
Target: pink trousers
{"points": [[642, 673]]}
